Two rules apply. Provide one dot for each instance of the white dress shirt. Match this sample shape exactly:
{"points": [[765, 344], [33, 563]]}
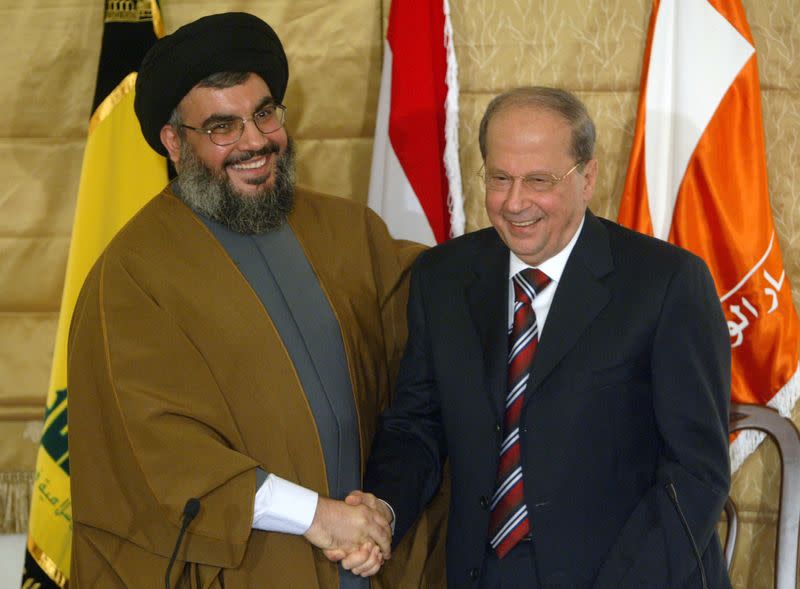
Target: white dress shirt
{"points": [[282, 506], [554, 268]]}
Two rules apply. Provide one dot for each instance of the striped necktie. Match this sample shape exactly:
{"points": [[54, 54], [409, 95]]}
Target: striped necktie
{"points": [[508, 522]]}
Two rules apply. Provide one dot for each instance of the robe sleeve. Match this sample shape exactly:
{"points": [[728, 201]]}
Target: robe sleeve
{"points": [[392, 268], [169, 432]]}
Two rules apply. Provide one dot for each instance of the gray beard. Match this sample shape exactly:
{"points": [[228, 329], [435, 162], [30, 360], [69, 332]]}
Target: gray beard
{"points": [[211, 193]]}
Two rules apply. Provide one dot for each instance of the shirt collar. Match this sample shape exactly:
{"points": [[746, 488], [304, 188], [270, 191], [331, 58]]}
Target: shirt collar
{"points": [[553, 267]]}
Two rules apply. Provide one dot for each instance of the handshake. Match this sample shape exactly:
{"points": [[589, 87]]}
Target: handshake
{"points": [[356, 532]]}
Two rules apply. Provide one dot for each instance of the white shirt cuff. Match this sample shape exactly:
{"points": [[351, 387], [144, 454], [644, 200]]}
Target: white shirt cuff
{"points": [[282, 506], [390, 509]]}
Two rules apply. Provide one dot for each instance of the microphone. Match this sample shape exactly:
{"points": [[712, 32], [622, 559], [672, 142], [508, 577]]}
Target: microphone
{"points": [[673, 495], [190, 511]]}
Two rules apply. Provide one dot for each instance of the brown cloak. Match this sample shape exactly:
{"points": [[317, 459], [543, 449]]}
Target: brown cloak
{"points": [[179, 386]]}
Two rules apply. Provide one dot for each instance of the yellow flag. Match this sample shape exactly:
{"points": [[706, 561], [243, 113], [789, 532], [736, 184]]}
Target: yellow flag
{"points": [[120, 173]]}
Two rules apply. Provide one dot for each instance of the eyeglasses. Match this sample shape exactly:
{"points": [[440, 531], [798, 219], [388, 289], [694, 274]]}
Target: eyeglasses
{"points": [[538, 181], [228, 131]]}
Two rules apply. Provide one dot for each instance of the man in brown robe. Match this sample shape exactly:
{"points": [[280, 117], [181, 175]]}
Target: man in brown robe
{"points": [[235, 344]]}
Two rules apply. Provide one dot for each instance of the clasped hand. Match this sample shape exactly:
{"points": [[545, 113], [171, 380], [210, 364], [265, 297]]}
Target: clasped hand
{"points": [[356, 532]]}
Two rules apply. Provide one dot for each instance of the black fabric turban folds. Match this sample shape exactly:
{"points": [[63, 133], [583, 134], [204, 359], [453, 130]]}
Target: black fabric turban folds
{"points": [[230, 42]]}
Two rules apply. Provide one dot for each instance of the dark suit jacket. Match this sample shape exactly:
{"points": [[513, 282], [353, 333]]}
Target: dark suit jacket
{"points": [[629, 393]]}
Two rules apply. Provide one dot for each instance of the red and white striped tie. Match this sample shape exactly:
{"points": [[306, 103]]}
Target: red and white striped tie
{"points": [[508, 522]]}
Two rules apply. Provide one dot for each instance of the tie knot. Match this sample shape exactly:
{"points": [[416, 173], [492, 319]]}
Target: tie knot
{"points": [[528, 283]]}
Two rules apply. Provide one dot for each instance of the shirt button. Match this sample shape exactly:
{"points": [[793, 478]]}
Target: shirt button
{"points": [[484, 502], [497, 427], [473, 574], [523, 430]]}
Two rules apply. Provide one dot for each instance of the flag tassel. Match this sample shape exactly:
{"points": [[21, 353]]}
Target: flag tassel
{"points": [[748, 440], [455, 200]]}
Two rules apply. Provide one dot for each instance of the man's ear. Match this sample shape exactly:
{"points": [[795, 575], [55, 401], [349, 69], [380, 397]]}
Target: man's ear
{"points": [[172, 141], [589, 179]]}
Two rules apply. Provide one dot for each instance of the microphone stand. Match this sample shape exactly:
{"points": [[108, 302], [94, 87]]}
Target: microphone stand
{"points": [[190, 511], [673, 495]]}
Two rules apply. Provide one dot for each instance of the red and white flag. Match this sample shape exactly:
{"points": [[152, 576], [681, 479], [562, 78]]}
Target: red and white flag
{"points": [[698, 178], [415, 182]]}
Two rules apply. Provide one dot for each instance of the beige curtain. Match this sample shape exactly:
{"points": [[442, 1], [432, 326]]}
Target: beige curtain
{"points": [[49, 54]]}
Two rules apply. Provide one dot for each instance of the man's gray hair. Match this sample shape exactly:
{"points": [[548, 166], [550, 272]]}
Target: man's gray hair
{"points": [[561, 102]]}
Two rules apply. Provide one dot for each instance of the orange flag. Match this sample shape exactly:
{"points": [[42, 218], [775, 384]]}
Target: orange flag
{"points": [[698, 178]]}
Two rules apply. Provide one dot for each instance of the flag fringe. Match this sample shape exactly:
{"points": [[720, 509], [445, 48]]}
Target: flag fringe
{"points": [[110, 102], [15, 489], [48, 565], [748, 440], [455, 197]]}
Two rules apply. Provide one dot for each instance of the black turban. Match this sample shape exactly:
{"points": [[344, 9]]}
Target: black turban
{"points": [[230, 42]]}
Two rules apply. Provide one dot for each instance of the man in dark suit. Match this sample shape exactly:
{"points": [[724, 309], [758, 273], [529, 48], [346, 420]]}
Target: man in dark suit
{"points": [[575, 373]]}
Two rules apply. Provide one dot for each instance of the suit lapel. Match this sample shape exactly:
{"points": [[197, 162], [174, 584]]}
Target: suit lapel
{"points": [[578, 300], [487, 299]]}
